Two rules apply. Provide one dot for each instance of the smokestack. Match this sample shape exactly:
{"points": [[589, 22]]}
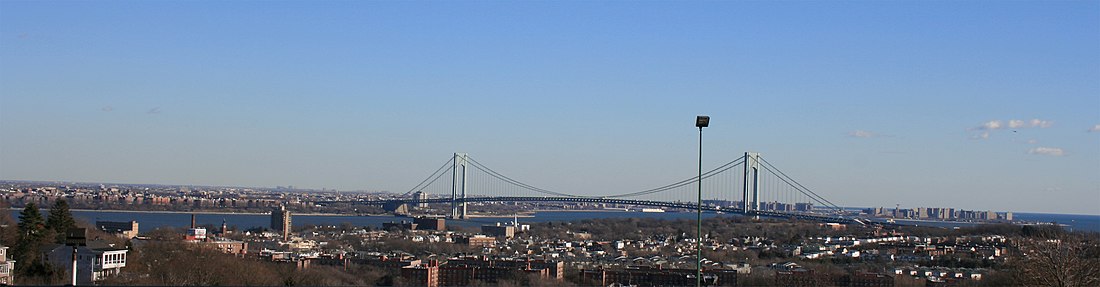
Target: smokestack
{"points": [[192, 220]]}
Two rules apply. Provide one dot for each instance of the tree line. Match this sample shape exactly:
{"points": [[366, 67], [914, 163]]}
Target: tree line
{"points": [[33, 233]]}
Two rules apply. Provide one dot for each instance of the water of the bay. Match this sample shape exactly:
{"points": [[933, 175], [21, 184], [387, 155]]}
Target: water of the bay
{"points": [[153, 220], [149, 220]]}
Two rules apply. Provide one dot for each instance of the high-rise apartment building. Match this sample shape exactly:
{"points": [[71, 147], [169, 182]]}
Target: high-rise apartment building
{"points": [[420, 195], [280, 220]]}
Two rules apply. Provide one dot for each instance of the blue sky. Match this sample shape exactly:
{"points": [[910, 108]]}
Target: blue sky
{"points": [[968, 104]]}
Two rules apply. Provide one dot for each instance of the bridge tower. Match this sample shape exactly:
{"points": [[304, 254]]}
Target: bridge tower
{"points": [[750, 200], [458, 186]]}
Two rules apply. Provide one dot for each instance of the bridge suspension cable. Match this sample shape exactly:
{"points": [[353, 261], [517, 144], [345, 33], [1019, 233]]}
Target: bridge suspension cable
{"points": [[798, 186], [507, 179], [485, 184], [781, 195], [432, 178], [692, 180]]}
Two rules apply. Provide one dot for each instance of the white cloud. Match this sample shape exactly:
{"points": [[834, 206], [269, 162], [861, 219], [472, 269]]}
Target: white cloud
{"points": [[1032, 141], [1094, 129], [862, 134], [990, 125], [1015, 123], [1051, 151], [1037, 123]]}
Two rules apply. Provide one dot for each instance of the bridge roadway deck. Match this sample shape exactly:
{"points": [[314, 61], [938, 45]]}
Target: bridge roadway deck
{"points": [[684, 205]]}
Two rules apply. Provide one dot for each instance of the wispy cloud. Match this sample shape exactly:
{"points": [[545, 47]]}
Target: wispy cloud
{"points": [[107, 109], [862, 134], [1051, 151], [990, 125], [155, 110], [1037, 123], [981, 136], [1094, 129], [985, 128], [1015, 124]]}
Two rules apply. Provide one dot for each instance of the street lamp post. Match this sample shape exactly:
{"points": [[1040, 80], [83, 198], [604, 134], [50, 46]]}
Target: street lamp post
{"points": [[700, 122]]}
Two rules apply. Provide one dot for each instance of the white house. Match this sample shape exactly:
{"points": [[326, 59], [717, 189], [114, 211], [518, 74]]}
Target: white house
{"points": [[94, 262], [7, 267]]}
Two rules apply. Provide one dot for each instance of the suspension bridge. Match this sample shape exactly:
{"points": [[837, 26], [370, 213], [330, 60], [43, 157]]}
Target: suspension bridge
{"points": [[748, 185]]}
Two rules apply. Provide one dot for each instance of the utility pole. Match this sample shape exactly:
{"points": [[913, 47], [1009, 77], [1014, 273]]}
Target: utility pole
{"points": [[700, 122], [74, 265], [76, 237]]}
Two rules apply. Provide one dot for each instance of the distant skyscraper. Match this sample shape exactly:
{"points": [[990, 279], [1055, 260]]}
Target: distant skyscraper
{"points": [[420, 195], [280, 220]]}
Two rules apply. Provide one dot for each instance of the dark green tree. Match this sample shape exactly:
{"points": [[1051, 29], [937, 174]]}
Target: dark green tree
{"points": [[31, 233], [60, 220], [30, 222]]}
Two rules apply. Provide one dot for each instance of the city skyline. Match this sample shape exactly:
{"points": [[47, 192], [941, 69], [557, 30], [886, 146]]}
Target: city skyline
{"points": [[984, 106]]}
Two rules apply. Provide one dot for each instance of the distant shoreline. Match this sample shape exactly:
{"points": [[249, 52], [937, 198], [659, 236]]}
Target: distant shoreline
{"points": [[523, 214], [203, 212]]}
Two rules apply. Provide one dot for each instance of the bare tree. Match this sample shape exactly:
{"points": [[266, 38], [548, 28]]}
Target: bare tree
{"points": [[1065, 260]]}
